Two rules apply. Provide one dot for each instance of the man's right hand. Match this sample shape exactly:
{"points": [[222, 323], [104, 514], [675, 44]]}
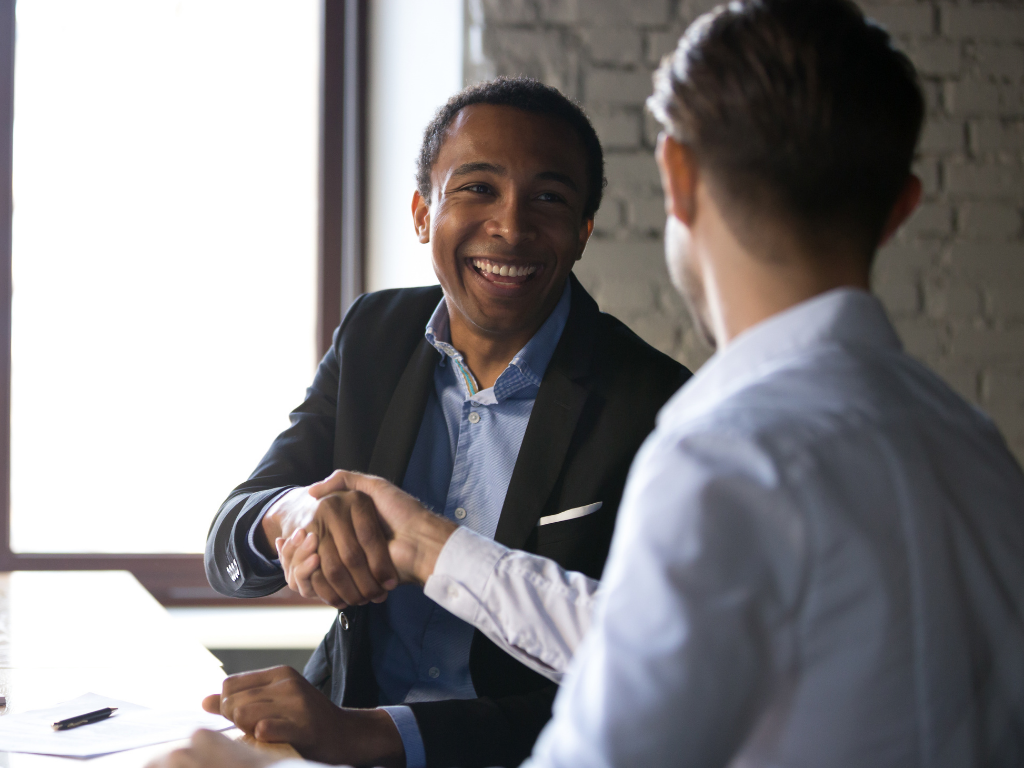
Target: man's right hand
{"points": [[416, 535], [353, 565]]}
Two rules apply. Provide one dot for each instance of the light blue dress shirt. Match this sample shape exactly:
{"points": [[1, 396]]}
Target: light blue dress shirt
{"points": [[460, 467]]}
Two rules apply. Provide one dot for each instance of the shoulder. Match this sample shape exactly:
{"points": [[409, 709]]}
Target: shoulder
{"points": [[396, 303], [711, 507], [385, 317]]}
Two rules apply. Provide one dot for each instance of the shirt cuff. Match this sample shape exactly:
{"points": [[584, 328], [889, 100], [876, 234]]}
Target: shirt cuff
{"points": [[409, 730], [468, 560], [257, 561]]}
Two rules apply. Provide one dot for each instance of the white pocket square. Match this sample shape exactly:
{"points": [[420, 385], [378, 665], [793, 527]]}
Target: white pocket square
{"points": [[571, 514]]}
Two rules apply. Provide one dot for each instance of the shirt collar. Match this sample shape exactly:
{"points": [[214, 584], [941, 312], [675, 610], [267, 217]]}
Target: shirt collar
{"points": [[531, 361], [844, 316]]}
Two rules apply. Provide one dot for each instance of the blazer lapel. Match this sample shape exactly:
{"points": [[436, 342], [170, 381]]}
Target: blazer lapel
{"points": [[556, 412], [402, 420]]}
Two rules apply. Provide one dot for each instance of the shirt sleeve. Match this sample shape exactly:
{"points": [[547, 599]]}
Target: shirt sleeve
{"points": [[705, 565], [526, 604], [409, 731]]}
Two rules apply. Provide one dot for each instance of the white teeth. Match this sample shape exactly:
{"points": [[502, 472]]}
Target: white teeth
{"points": [[503, 271]]}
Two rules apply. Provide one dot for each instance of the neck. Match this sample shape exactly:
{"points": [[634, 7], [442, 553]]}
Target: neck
{"points": [[742, 287], [486, 354]]}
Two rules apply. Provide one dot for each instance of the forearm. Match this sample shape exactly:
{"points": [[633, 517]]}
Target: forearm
{"points": [[527, 605]]}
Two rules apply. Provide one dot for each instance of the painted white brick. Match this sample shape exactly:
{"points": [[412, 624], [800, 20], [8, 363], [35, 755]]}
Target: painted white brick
{"points": [[632, 172], [929, 219], [927, 169], [660, 44], [975, 341], [989, 221], [690, 9], [613, 46], [1002, 61], [1003, 391], [921, 336], [976, 96], [618, 130], [517, 11], [1003, 302], [997, 135], [906, 258], [946, 296], [647, 214], [982, 21], [614, 86], [559, 11], [989, 263], [953, 278], [935, 57], [963, 379], [917, 19], [616, 12], [942, 136], [983, 182], [901, 298]]}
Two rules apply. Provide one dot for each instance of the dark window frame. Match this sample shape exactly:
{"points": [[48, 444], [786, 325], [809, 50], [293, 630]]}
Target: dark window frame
{"points": [[180, 579]]}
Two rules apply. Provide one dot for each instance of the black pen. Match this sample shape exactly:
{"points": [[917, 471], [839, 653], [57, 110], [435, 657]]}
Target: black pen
{"points": [[88, 717]]}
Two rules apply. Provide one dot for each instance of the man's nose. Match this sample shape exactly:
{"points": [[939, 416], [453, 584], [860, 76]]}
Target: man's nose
{"points": [[511, 221]]}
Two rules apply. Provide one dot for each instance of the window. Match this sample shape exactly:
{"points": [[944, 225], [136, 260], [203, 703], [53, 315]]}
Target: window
{"points": [[179, 190]]}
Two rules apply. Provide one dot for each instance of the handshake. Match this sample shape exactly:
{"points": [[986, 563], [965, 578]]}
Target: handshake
{"points": [[351, 538]]}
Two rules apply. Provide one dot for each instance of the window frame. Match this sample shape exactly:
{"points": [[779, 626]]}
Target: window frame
{"points": [[180, 579]]}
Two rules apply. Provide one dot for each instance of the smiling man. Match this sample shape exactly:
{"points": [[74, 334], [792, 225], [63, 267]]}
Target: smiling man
{"points": [[503, 399]]}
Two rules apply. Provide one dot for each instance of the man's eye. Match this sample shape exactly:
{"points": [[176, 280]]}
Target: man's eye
{"points": [[482, 189], [549, 197]]}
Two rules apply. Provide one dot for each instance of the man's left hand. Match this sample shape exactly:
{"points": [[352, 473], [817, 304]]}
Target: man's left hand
{"points": [[279, 705]]}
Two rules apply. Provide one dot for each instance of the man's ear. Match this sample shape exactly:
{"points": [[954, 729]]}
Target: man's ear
{"points": [[905, 205], [421, 217], [585, 232], [678, 178]]}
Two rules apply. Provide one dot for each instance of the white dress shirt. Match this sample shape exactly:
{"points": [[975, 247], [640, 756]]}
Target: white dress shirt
{"points": [[819, 561]]}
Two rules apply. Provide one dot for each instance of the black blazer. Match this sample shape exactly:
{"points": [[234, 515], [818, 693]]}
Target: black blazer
{"points": [[596, 404]]}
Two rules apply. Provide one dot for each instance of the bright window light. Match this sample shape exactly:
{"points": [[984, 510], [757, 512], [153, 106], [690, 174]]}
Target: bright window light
{"points": [[164, 261]]}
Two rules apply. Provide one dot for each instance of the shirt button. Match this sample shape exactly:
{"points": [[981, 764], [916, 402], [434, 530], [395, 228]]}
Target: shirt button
{"points": [[453, 592], [434, 673], [460, 513], [474, 417]]}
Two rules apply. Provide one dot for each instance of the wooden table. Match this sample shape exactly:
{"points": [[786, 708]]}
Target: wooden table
{"points": [[66, 633]]}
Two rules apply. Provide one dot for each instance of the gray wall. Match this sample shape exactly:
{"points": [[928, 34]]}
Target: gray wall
{"points": [[953, 280]]}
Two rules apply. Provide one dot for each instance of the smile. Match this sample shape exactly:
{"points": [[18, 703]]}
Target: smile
{"points": [[503, 273]]}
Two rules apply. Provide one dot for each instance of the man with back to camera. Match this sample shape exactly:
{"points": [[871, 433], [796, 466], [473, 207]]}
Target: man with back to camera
{"points": [[827, 540], [508, 403]]}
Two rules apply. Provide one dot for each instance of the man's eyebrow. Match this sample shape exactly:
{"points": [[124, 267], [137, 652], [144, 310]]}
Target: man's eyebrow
{"points": [[562, 178], [467, 168]]}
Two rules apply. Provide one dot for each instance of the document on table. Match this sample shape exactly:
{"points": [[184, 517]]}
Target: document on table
{"points": [[130, 727]]}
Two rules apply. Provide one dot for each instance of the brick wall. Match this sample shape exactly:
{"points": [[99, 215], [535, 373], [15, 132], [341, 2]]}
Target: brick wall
{"points": [[953, 279]]}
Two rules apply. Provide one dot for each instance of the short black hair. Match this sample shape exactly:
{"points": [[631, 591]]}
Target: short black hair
{"points": [[528, 95], [799, 109]]}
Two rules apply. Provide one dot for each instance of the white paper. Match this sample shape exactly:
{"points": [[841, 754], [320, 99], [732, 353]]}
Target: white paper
{"points": [[130, 727]]}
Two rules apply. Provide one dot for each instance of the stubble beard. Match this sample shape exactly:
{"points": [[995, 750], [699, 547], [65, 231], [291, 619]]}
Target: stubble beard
{"points": [[686, 279]]}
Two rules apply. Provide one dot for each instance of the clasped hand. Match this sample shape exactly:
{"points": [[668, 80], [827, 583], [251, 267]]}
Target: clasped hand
{"points": [[351, 538]]}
